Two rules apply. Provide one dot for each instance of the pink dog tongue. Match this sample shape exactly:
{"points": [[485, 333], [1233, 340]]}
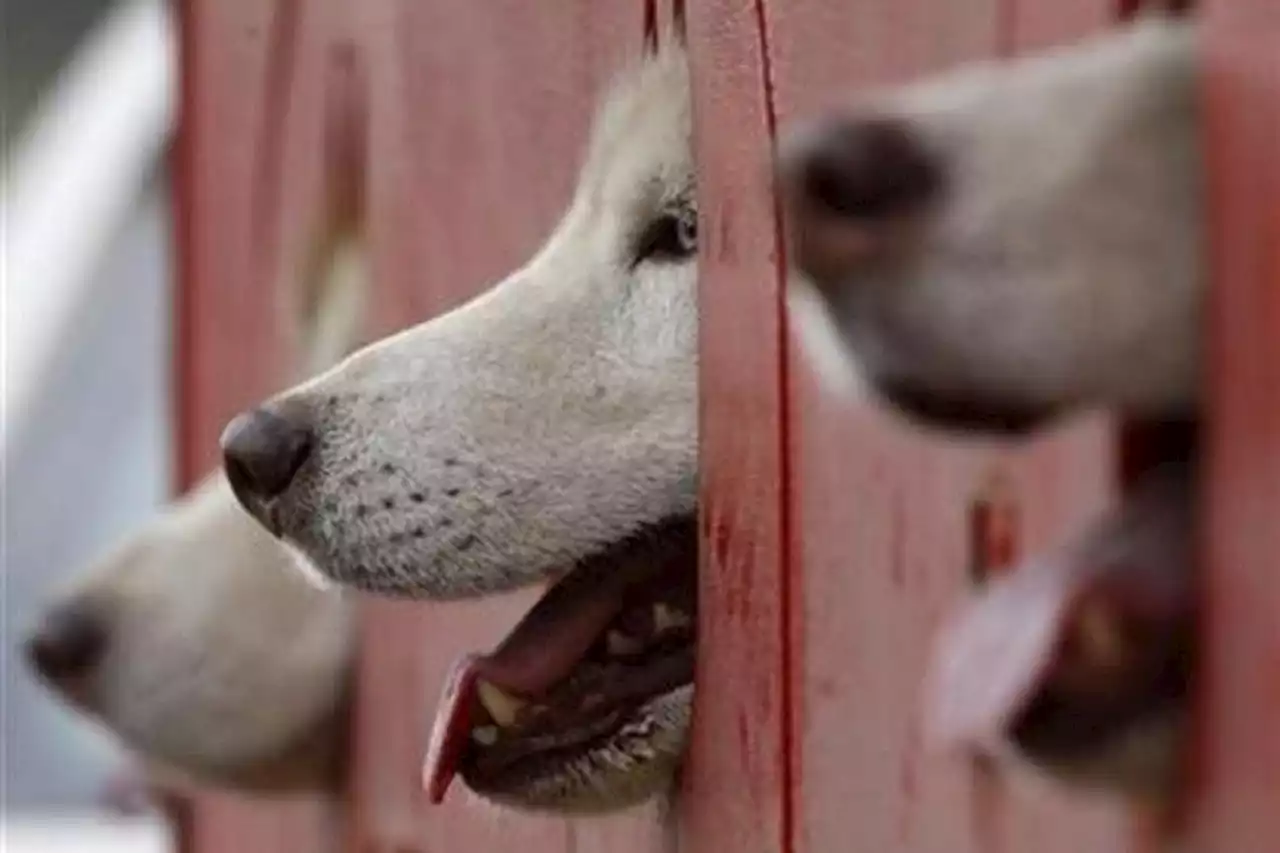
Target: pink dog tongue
{"points": [[540, 652], [989, 659], [452, 728]]}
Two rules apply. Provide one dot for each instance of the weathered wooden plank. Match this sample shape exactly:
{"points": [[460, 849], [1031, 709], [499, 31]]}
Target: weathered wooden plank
{"points": [[250, 93], [738, 781], [1239, 755]]}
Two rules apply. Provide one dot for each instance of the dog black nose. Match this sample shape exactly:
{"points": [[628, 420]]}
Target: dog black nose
{"points": [[67, 644], [843, 180], [867, 168], [262, 451]]}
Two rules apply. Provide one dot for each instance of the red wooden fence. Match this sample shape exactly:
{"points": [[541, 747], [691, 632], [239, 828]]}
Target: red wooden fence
{"points": [[1239, 756], [833, 540]]}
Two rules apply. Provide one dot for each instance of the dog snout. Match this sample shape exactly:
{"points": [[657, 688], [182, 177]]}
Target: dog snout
{"points": [[262, 451], [67, 643], [844, 181]]}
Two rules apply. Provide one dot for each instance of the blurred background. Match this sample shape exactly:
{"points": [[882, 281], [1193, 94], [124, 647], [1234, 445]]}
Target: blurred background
{"points": [[85, 291]]}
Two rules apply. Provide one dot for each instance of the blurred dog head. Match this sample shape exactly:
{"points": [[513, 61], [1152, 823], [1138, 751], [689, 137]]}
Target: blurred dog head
{"points": [[198, 644], [1003, 243]]}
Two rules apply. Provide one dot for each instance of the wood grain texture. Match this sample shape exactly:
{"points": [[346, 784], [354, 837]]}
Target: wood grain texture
{"points": [[737, 790], [1239, 757], [251, 100]]}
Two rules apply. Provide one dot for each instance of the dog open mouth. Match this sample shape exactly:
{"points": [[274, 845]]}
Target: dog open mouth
{"points": [[576, 689]]}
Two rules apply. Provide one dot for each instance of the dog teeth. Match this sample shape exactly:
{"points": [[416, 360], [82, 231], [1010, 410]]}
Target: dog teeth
{"points": [[1102, 637], [667, 618], [502, 706], [485, 735], [622, 645]]}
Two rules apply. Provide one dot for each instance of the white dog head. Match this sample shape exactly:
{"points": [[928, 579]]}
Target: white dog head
{"points": [[198, 645], [546, 430], [1012, 240], [196, 641]]}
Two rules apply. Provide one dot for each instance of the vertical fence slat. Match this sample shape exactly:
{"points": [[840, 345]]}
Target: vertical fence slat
{"points": [[736, 792], [233, 344], [1240, 741]]}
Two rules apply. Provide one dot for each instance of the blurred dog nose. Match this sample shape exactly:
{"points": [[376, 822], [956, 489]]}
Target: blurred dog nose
{"points": [[843, 180], [262, 451], [68, 643], [865, 168]]}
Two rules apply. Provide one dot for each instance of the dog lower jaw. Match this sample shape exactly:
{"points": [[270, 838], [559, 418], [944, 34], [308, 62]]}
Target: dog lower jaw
{"points": [[585, 706], [966, 413], [1143, 760], [640, 759]]}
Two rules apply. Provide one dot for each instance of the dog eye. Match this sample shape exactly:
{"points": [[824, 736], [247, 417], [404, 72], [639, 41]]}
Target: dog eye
{"points": [[672, 236]]}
